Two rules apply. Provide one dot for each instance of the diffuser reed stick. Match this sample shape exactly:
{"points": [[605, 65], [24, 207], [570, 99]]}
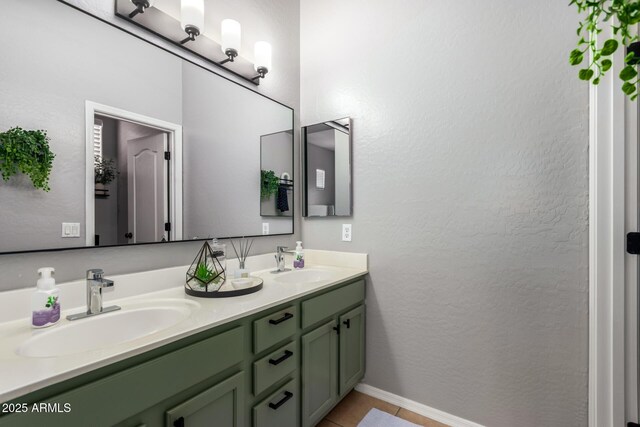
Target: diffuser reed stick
{"points": [[245, 247]]}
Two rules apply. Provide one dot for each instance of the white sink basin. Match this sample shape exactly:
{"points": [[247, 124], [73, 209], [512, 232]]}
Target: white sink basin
{"points": [[304, 276], [107, 329]]}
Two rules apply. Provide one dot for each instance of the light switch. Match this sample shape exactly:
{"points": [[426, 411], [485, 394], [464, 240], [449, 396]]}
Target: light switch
{"points": [[265, 228], [70, 229]]}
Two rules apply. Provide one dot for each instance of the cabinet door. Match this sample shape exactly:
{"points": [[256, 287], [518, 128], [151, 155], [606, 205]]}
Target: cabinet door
{"points": [[221, 405], [319, 372], [351, 348]]}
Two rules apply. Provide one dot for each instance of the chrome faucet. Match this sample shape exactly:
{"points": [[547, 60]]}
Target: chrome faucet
{"points": [[280, 251], [95, 284]]}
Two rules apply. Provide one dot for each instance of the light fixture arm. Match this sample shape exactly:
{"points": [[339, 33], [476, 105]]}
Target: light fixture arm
{"points": [[192, 33], [262, 71], [231, 56], [140, 5]]}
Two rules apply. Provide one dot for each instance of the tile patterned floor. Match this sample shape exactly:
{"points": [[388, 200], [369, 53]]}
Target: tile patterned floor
{"points": [[356, 405]]}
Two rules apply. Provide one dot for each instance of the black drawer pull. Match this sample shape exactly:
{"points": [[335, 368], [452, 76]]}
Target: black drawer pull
{"points": [[287, 354], [287, 395], [286, 316], [337, 329], [179, 422], [347, 323]]}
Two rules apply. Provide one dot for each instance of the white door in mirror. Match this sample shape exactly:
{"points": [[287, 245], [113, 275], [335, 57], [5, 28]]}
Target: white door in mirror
{"points": [[346, 232]]}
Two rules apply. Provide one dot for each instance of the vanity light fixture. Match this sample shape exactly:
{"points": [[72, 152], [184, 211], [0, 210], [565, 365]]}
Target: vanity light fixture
{"points": [[230, 36], [191, 22], [192, 18], [140, 5], [262, 54]]}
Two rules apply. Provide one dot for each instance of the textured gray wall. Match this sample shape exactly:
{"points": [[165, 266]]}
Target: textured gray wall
{"points": [[272, 20], [470, 178]]}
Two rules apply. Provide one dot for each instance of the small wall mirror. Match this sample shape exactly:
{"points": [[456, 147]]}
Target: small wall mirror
{"points": [[327, 169]]}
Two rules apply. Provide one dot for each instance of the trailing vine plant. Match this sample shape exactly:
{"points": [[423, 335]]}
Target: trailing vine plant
{"points": [[26, 151], [269, 183], [623, 15]]}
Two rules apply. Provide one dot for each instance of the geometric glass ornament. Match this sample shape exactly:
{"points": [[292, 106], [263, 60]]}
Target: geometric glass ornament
{"points": [[206, 273]]}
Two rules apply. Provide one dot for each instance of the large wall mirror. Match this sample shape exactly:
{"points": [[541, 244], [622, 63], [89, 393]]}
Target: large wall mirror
{"points": [[148, 147], [327, 169]]}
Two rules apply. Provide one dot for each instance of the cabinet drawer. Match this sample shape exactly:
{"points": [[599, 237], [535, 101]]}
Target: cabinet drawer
{"points": [[326, 305], [275, 328], [140, 387], [274, 367], [280, 409]]}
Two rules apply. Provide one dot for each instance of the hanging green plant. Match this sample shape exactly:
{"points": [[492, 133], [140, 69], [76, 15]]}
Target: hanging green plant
{"points": [[26, 151], [269, 184], [623, 15]]}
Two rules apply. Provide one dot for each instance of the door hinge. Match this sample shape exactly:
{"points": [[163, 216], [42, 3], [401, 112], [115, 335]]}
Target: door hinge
{"points": [[167, 226], [167, 155], [633, 243]]}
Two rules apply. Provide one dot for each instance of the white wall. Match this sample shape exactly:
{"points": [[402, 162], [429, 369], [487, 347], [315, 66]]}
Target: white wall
{"points": [[470, 179]]}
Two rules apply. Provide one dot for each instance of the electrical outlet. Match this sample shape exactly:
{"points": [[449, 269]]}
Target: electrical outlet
{"points": [[346, 232], [70, 229], [265, 228]]}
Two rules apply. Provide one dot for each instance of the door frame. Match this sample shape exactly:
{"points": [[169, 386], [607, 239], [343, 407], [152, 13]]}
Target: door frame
{"points": [[174, 143], [613, 274]]}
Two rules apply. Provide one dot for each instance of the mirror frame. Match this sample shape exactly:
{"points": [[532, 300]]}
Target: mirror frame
{"points": [[303, 169], [217, 75]]}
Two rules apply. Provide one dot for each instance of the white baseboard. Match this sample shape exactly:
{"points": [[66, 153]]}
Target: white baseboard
{"points": [[418, 408]]}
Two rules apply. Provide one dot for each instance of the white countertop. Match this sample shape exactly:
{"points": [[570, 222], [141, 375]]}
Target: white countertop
{"points": [[21, 375]]}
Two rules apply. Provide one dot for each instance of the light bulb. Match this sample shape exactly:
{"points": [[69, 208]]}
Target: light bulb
{"points": [[192, 15], [230, 36], [262, 56]]}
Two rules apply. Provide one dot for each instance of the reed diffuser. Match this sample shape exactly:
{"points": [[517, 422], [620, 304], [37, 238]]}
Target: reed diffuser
{"points": [[242, 254]]}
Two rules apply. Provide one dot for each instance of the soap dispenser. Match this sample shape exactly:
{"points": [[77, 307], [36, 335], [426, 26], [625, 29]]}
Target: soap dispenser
{"points": [[298, 256], [45, 302]]}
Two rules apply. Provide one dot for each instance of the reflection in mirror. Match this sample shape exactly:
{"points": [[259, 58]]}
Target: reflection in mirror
{"points": [[132, 182], [130, 194], [327, 168], [276, 167]]}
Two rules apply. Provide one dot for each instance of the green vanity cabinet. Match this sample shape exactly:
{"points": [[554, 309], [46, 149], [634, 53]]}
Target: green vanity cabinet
{"points": [[332, 353], [280, 409], [319, 372], [351, 348], [121, 395], [285, 366], [224, 403]]}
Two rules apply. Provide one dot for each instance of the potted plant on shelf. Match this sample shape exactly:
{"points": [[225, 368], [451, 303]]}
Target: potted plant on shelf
{"points": [[269, 184], [105, 172], [27, 152]]}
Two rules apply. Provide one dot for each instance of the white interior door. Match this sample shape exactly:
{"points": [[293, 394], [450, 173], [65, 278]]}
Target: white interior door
{"points": [[147, 192]]}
